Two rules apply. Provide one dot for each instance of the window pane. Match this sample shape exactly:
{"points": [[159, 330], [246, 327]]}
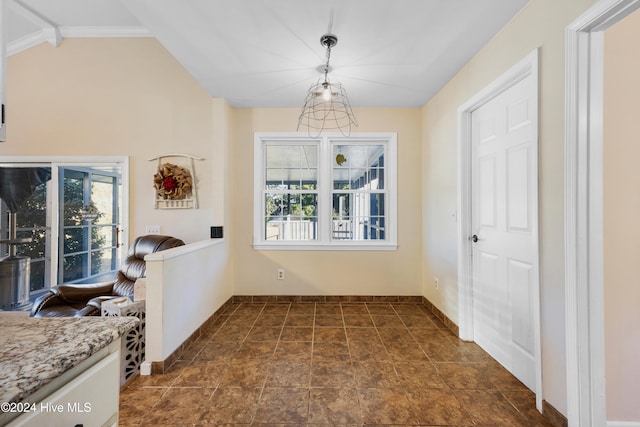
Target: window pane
{"points": [[102, 195], [291, 181], [341, 205], [33, 209], [291, 228], [303, 179], [275, 177], [292, 167], [273, 155], [358, 216], [358, 179], [376, 179], [102, 261], [73, 196], [102, 237], [291, 216], [37, 275], [31, 217], [275, 206], [341, 179], [358, 167], [74, 267], [75, 240]]}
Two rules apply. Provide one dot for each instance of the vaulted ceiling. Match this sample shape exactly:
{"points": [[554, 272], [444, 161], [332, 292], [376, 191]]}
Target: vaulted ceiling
{"points": [[266, 53]]}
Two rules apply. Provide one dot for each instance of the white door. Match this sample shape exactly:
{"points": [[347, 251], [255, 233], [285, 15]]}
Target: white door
{"points": [[505, 259]]}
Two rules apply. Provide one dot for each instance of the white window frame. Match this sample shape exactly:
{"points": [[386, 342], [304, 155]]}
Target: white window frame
{"points": [[53, 215], [325, 179]]}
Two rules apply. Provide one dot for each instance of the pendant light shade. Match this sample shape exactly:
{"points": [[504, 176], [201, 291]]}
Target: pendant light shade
{"points": [[326, 107]]}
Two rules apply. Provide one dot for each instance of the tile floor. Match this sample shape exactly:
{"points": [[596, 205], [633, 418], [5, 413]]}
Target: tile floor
{"points": [[327, 364]]}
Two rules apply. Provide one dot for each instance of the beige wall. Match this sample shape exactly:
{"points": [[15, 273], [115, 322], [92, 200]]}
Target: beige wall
{"points": [[540, 24], [130, 97], [328, 272], [621, 218], [125, 97]]}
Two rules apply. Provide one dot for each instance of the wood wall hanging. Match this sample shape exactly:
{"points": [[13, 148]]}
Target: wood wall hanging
{"points": [[174, 183]]}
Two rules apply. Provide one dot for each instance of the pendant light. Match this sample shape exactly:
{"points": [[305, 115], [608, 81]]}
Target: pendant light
{"points": [[326, 107]]}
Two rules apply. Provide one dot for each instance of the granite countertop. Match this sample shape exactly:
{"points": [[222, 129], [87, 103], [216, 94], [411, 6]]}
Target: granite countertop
{"points": [[34, 352]]}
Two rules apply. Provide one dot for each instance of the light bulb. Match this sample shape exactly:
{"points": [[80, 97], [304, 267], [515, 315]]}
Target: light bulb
{"points": [[326, 92]]}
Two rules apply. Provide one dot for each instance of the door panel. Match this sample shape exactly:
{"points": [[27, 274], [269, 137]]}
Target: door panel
{"points": [[504, 257], [488, 197], [518, 173], [521, 309]]}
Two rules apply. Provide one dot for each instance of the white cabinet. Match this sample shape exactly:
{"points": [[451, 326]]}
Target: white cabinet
{"points": [[89, 399]]}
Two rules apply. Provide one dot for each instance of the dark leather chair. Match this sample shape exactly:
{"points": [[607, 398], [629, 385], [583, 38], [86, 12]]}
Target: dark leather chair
{"points": [[86, 300]]}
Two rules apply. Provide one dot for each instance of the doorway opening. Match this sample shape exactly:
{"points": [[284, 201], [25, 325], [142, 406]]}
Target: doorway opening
{"points": [[584, 266], [527, 68]]}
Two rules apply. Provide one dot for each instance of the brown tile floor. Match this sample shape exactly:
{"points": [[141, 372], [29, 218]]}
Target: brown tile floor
{"points": [[326, 364]]}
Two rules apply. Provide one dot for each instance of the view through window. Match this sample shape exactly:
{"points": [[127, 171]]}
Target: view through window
{"points": [[70, 222], [324, 191]]}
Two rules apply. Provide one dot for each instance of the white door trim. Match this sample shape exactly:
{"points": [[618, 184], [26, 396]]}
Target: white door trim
{"points": [[525, 68], [584, 283]]}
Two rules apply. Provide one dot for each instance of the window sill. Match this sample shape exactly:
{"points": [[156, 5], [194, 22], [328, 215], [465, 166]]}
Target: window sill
{"points": [[342, 246]]}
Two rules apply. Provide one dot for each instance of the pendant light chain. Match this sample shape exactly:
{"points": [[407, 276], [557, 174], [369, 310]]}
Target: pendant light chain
{"points": [[326, 67]]}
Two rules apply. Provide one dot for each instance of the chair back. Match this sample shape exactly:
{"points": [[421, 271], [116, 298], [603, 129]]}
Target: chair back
{"points": [[134, 266]]}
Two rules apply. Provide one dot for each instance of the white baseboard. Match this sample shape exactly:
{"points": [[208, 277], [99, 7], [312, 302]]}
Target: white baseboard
{"points": [[623, 423]]}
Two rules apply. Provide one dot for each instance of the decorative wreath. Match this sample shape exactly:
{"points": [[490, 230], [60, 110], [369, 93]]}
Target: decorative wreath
{"points": [[172, 182]]}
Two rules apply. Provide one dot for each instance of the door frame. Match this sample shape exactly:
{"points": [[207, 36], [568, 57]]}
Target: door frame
{"points": [[526, 67], [584, 278], [74, 162]]}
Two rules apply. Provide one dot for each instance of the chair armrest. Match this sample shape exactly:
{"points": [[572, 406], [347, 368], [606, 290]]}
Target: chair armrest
{"points": [[75, 294], [88, 310], [49, 299], [97, 301]]}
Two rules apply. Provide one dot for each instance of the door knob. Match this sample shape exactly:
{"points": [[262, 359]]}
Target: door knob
{"points": [[474, 238]]}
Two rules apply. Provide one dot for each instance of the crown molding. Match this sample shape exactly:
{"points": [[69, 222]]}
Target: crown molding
{"points": [[24, 43], [115, 31], [41, 36]]}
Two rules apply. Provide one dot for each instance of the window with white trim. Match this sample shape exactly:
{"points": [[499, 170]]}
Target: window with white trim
{"points": [[329, 192], [68, 243]]}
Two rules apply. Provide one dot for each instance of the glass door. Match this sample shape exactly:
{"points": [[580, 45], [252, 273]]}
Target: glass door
{"points": [[89, 224], [25, 193]]}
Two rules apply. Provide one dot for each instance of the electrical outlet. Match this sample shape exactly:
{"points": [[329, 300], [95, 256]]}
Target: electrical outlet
{"points": [[153, 229], [280, 274], [436, 283]]}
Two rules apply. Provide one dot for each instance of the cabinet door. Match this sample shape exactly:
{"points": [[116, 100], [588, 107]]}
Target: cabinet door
{"points": [[90, 399]]}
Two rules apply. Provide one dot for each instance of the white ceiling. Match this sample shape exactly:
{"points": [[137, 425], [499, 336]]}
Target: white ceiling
{"points": [[266, 53]]}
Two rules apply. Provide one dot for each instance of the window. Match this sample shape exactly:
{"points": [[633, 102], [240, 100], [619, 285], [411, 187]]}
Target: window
{"points": [[89, 247], [331, 192], [68, 243], [25, 191]]}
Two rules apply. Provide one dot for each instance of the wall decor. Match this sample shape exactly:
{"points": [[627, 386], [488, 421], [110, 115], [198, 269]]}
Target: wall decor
{"points": [[174, 183]]}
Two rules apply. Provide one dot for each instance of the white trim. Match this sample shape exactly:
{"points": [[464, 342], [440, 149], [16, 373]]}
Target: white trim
{"points": [[57, 161], [182, 250], [112, 31], [48, 31], [335, 246], [623, 423], [38, 37], [25, 43], [528, 66], [584, 283], [324, 242]]}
